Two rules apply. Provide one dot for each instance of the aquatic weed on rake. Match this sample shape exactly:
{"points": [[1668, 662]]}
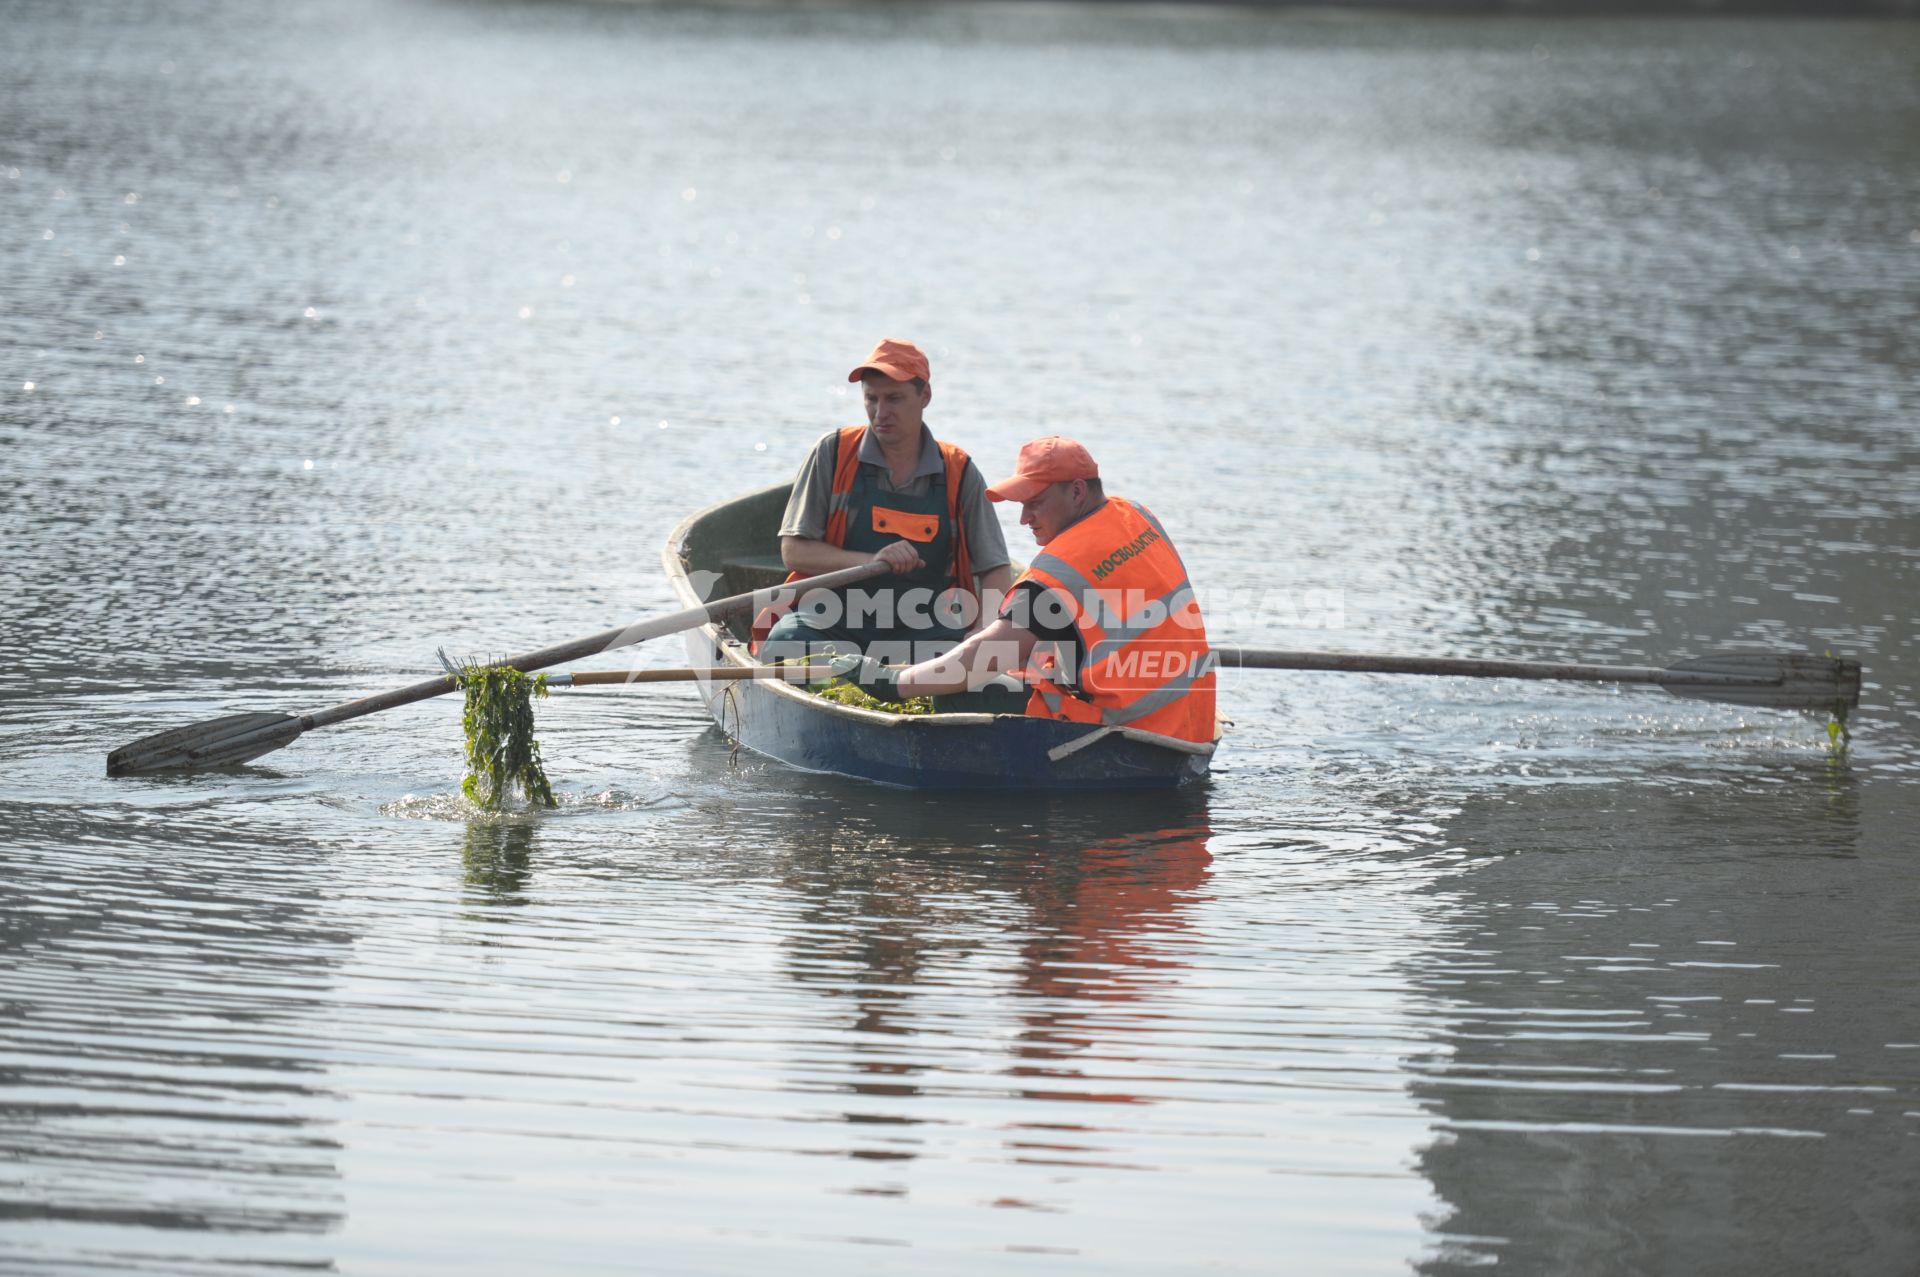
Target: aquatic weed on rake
{"points": [[502, 754]]}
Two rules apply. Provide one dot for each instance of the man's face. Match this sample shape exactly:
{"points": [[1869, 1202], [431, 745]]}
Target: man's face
{"points": [[1048, 514], [894, 408]]}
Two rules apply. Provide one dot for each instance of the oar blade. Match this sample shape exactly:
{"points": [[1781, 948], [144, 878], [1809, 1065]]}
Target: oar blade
{"points": [[237, 738], [1784, 681], [219, 742]]}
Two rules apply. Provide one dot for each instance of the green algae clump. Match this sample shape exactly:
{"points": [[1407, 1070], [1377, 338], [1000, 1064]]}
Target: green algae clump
{"points": [[844, 691], [502, 754]]}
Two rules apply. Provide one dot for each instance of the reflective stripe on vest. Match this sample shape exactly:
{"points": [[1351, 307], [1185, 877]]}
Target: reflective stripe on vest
{"points": [[1121, 632], [1148, 664], [1171, 692]]}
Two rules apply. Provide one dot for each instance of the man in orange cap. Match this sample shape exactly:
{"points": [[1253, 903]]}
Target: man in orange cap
{"points": [[890, 491], [1102, 626]]}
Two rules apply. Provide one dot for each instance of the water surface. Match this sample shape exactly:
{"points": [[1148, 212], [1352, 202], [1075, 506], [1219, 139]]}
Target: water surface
{"points": [[334, 333]]}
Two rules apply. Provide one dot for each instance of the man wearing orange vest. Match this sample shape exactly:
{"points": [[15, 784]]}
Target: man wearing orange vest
{"points": [[1103, 624], [890, 491]]}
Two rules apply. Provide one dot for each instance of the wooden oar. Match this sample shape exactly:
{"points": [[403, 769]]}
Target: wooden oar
{"points": [[722, 673], [236, 738], [1775, 680], [1738, 678]]}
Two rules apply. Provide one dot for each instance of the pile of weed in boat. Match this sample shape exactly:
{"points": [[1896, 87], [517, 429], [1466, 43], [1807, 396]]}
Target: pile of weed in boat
{"points": [[502, 754], [844, 691]]}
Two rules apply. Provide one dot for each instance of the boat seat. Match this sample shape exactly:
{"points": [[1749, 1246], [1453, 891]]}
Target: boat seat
{"points": [[746, 572]]}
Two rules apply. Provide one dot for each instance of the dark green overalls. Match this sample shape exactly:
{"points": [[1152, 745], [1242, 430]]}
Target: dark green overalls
{"points": [[892, 619]]}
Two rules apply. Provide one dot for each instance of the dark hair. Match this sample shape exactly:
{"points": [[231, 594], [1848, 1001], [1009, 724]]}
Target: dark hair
{"points": [[918, 383]]}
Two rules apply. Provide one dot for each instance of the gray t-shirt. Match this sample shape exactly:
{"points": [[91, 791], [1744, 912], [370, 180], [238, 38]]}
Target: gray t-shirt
{"points": [[813, 491]]}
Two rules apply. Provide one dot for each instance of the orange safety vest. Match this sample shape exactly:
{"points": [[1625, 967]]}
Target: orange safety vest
{"points": [[1146, 662], [846, 467]]}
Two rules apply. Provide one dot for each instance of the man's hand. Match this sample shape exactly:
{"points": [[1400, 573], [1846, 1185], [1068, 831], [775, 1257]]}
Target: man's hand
{"points": [[900, 556], [863, 670], [983, 654]]}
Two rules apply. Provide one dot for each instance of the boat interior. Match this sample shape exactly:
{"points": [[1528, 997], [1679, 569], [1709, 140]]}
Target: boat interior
{"points": [[738, 541]]}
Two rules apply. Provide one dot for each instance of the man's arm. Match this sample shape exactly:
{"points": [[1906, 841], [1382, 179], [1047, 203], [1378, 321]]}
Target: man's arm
{"points": [[993, 585], [1000, 648], [805, 520], [810, 558], [986, 543]]}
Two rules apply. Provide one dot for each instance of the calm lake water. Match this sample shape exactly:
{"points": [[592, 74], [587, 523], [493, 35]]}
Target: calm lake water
{"points": [[331, 333]]}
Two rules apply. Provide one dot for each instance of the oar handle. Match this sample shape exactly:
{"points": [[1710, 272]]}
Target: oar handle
{"points": [[721, 673], [607, 640], [1260, 658], [1777, 680]]}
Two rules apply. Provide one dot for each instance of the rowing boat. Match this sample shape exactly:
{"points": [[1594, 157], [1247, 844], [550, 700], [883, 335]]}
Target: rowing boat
{"points": [[734, 547]]}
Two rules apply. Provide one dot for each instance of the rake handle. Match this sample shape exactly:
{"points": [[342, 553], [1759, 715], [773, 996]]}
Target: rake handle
{"points": [[1255, 658]]}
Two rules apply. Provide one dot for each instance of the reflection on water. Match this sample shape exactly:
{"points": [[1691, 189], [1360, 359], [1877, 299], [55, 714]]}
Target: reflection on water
{"points": [[497, 855], [1092, 905], [1523, 338], [1105, 947]]}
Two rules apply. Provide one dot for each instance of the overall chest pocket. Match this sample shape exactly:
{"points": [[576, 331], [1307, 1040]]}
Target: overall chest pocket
{"points": [[912, 527]]}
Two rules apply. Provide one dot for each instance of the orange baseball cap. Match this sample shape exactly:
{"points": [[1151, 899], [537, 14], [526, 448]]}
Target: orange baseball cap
{"points": [[1053, 459], [900, 360]]}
